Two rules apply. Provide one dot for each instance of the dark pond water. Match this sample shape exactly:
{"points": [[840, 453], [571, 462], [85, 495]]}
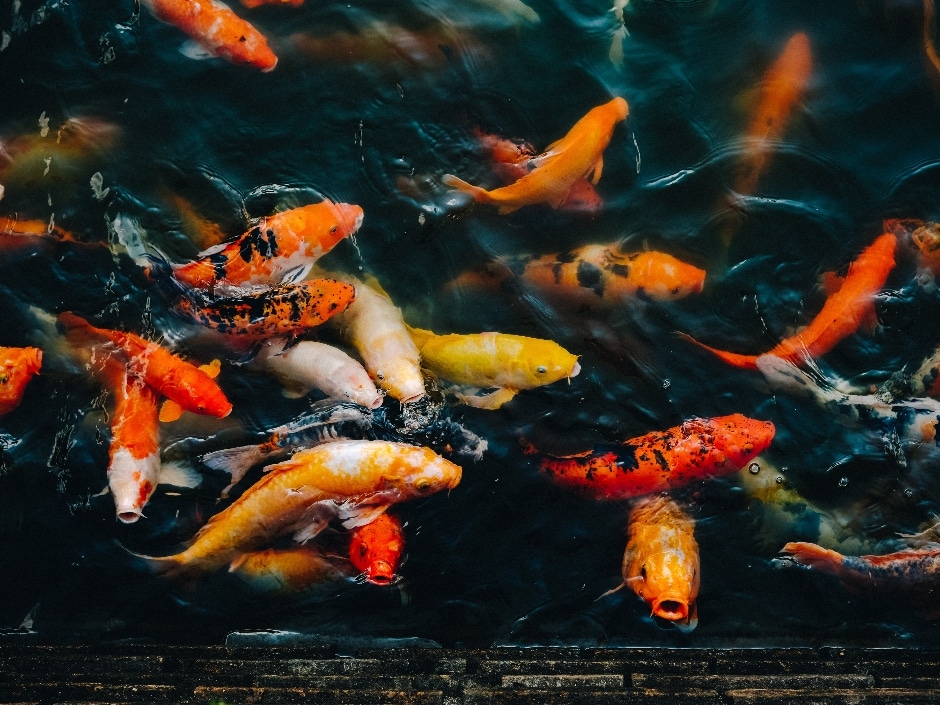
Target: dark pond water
{"points": [[507, 557]]}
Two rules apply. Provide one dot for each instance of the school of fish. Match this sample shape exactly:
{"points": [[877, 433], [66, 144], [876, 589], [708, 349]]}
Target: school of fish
{"points": [[320, 500]]}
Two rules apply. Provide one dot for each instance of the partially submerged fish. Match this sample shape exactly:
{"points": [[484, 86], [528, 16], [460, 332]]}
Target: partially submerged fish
{"points": [[290, 570], [352, 481], [912, 574], [661, 560], [573, 157], [166, 372], [217, 29], [501, 362], [839, 317], [374, 326], [598, 276], [697, 449], [309, 365], [288, 309], [17, 368], [376, 549], [278, 246]]}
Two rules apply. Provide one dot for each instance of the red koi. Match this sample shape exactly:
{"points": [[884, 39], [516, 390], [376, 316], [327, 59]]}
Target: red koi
{"points": [[274, 247], [698, 449], [281, 310], [376, 548], [17, 367], [839, 317], [167, 373], [217, 29]]}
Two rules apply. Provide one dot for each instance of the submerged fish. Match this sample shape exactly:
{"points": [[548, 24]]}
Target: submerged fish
{"points": [[288, 309], [166, 372], [17, 368], [374, 326], [217, 29], [352, 481], [596, 276], [839, 317], [376, 549], [279, 245], [308, 365], [573, 157], [661, 561], [501, 362], [512, 160], [912, 574], [289, 570], [698, 449]]}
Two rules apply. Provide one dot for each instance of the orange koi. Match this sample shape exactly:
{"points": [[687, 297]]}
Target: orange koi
{"points": [[554, 172], [17, 367], [375, 549], [661, 560], [20, 232], [595, 275], [839, 317], [287, 570], [275, 247], [913, 573], [512, 160], [217, 29], [698, 449], [781, 88], [251, 4], [281, 310], [167, 373], [352, 481], [170, 410]]}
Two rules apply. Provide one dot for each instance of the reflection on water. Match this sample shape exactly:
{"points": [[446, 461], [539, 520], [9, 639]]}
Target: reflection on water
{"points": [[118, 140]]}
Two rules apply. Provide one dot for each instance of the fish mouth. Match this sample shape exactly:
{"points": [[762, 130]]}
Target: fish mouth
{"points": [[129, 516], [381, 573], [672, 608]]}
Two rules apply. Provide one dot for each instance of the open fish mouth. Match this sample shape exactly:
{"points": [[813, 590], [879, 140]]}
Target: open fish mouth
{"points": [[674, 609]]}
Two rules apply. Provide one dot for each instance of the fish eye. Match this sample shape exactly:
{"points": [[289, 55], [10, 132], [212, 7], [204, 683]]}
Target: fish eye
{"points": [[541, 369], [334, 229], [423, 485], [643, 572]]}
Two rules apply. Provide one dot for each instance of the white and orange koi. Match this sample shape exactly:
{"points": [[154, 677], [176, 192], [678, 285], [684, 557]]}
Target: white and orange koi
{"points": [[352, 481], [661, 560], [554, 172], [279, 245], [373, 325], [217, 29], [309, 365]]}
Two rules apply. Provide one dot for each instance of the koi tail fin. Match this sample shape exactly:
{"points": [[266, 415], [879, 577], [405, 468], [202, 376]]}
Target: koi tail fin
{"points": [[479, 194], [810, 555], [234, 461], [169, 567]]}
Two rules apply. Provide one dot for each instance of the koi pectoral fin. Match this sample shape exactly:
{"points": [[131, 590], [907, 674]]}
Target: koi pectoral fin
{"points": [[598, 169], [480, 400]]}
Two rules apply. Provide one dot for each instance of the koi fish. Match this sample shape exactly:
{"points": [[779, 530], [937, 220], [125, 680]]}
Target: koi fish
{"points": [[288, 570], [17, 368], [594, 275], [166, 372], [697, 449], [283, 244], [907, 427], [252, 4], [512, 160], [170, 410], [925, 235], [373, 325], [328, 420], [573, 157], [661, 560], [376, 548], [15, 232], [911, 574], [839, 317], [782, 87], [288, 309], [217, 29], [309, 365], [925, 380], [28, 158], [352, 481], [483, 361]]}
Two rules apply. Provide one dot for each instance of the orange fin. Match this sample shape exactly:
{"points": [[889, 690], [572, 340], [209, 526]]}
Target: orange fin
{"points": [[170, 411]]}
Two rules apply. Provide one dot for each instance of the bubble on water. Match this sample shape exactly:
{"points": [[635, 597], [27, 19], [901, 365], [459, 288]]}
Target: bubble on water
{"points": [[908, 492], [843, 482], [753, 468], [779, 479], [667, 383]]}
